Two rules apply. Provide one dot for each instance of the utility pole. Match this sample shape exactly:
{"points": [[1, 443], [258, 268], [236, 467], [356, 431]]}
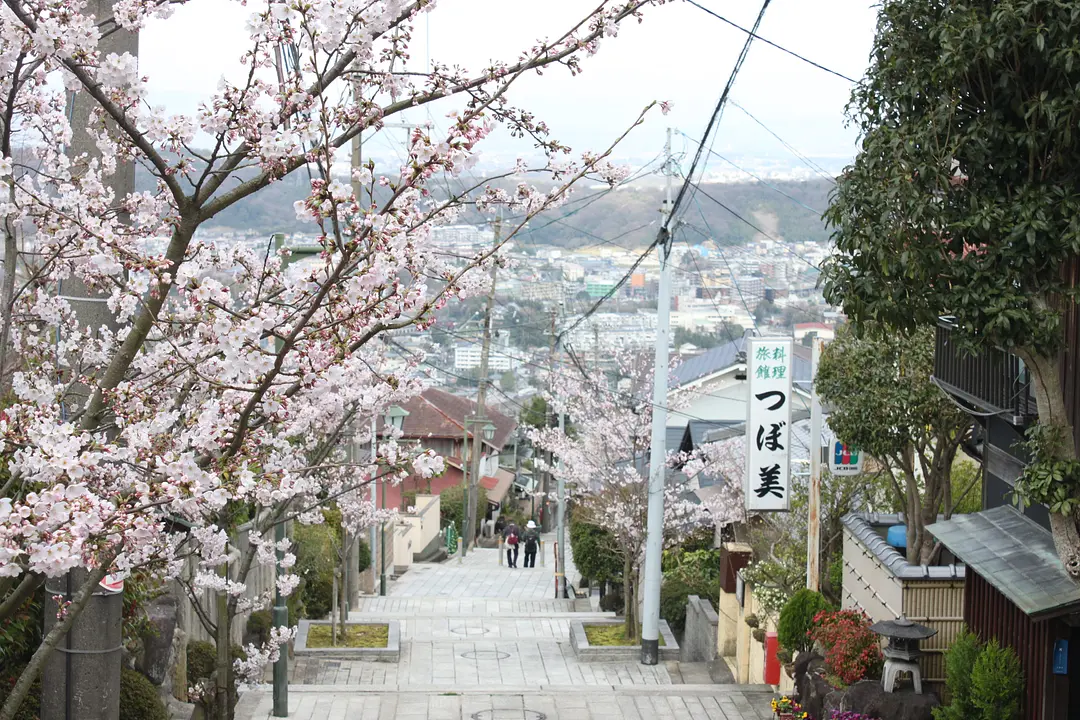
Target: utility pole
{"points": [[481, 400], [813, 534], [545, 515], [560, 520], [80, 680], [654, 542]]}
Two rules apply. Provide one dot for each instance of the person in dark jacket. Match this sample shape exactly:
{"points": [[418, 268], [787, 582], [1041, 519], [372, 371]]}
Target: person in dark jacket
{"points": [[532, 544], [512, 536]]}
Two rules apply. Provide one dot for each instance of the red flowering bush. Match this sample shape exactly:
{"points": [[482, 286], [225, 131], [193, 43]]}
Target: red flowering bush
{"points": [[852, 652]]}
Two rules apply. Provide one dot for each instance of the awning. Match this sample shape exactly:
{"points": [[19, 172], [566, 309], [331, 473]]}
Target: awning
{"points": [[1014, 554], [497, 486]]}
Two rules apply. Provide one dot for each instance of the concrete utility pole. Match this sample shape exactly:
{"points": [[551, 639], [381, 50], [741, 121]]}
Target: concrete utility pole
{"points": [[545, 506], [560, 534], [374, 548], [81, 679], [654, 542], [481, 405], [813, 533]]}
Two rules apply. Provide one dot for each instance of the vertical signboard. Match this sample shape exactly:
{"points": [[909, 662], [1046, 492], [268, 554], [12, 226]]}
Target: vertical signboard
{"points": [[768, 426]]}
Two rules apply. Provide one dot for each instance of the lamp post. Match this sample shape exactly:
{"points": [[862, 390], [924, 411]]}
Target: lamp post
{"points": [[280, 614], [468, 494], [395, 418]]}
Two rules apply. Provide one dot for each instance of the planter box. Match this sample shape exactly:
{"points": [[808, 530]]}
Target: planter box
{"points": [[617, 653], [390, 653]]}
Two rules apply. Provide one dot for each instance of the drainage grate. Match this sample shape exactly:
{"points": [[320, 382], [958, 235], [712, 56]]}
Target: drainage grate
{"points": [[485, 655], [469, 630], [508, 715]]}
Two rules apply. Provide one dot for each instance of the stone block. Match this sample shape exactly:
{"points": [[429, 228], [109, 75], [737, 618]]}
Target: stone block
{"points": [[158, 646]]}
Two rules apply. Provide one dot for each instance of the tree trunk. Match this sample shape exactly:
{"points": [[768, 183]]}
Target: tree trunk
{"points": [[1046, 382], [629, 601], [221, 676]]}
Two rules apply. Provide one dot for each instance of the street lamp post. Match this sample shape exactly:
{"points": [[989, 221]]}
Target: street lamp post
{"points": [[395, 418], [280, 614], [469, 493]]}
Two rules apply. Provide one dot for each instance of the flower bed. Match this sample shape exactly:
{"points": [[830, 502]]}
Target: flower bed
{"points": [[786, 708], [589, 652], [852, 651], [367, 641]]}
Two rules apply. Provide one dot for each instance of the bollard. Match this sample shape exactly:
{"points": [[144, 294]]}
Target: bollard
{"points": [[460, 556], [500, 552], [541, 553]]}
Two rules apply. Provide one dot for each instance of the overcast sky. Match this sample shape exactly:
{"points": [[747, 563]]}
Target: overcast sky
{"points": [[678, 53]]}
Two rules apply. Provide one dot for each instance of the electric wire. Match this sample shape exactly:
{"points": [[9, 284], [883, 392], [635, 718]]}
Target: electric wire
{"points": [[806, 160], [753, 34]]}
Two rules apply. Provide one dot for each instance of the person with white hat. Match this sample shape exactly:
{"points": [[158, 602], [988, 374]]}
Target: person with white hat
{"points": [[532, 544]]}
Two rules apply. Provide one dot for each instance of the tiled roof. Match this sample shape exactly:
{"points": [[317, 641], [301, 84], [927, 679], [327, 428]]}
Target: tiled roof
{"points": [[861, 526], [497, 485], [707, 363], [1014, 554], [437, 413]]}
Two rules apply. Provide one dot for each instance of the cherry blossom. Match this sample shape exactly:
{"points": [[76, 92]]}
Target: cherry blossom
{"points": [[229, 381]]}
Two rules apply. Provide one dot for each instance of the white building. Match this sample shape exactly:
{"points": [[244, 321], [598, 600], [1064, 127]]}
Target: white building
{"points": [[467, 357]]}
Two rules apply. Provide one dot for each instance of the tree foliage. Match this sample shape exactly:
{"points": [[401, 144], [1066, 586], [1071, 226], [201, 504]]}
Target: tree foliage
{"points": [[963, 199], [885, 403]]}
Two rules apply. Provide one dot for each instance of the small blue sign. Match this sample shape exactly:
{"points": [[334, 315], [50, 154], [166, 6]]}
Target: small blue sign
{"points": [[1061, 657]]}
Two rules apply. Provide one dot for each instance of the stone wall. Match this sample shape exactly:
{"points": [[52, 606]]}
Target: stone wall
{"points": [[699, 637]]}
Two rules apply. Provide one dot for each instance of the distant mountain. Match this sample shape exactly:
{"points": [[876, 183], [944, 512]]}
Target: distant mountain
{"points": [[595, 216]]}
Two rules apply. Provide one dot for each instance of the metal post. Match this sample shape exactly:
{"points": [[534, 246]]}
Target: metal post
{"points": [[542, 554], [650, 632], [465, 488], [560, 524], [374, 548], [813, 535], [382, 543], [281, 619]]}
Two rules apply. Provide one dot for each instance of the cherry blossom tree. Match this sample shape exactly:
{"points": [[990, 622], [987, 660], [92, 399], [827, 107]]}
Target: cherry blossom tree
{"points": [[605, 466], [227, 381]]}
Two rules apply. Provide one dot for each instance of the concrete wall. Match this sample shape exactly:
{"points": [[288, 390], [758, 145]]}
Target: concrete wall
{"points": [[701, 630], [744, 655], [415, 530], [870, 586], [260, 580]]}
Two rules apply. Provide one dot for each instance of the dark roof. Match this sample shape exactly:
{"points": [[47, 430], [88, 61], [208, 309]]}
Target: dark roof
{"points": [[437, 413], [707, 363], [724, 356], [674, 437], [697, 430], [1015, 555]]}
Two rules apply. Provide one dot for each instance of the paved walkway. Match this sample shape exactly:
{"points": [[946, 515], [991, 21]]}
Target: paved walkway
{"points": [[480, 641]]}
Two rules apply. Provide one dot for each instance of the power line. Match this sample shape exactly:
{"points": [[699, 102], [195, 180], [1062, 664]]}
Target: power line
{"points": [[753, 34], [754, 227], [807, 161], [760, 180]]}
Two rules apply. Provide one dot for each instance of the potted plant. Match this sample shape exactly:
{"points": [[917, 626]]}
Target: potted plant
{"points": [[786, 708]]}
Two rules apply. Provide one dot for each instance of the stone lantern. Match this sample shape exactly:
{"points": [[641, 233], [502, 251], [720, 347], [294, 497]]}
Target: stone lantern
{"points": [[902, 651]]}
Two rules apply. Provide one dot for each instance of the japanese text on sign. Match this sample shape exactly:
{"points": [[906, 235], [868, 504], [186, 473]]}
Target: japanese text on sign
{"points": [[768, 427]]}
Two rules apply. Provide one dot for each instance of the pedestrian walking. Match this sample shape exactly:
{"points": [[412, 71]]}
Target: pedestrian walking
{"points": [[532, 544], [513, 537]]}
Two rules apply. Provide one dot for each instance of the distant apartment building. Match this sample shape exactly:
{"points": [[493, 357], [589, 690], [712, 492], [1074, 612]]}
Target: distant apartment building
{"points": [[614, 331], [573, 272], [467, 357], [462, 236]]}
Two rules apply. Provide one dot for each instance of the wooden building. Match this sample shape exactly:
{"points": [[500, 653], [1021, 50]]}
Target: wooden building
{"points": [[1016, 589]]}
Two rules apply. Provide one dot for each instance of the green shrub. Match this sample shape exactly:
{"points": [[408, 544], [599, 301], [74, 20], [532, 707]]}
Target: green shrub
{"points": [[202, 659], [316, 560], [258, 625], [959, 662], [797, 617], [451, 509], [31, 706], [363, 554], [596, 552], [139, 699], [612, 602], [997, 682]]}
